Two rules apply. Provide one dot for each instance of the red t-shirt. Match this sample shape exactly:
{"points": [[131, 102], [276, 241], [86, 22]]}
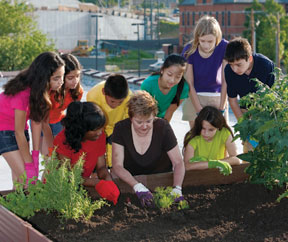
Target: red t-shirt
{"points": [[93, 149], [57, 113]]}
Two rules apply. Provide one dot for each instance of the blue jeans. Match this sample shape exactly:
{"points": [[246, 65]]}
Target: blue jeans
{"points": [[8, 141]]}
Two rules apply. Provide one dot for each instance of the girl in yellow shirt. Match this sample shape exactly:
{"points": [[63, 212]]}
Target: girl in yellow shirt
{"points": [[209, 143]]}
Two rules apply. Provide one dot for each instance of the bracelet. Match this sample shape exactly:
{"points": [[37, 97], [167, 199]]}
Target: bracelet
{"points": [[178, 187]]}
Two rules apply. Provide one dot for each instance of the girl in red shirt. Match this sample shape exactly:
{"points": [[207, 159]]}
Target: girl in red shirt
{"points": [[83, 133], [70, 91]]}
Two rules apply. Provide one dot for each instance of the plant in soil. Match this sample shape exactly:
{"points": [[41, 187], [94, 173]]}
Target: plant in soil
{"points": [[62, 192], [164, 199], [266, 122]]}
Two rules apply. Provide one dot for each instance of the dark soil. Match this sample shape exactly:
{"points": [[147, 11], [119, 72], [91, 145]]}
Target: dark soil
{"points": [[238, 212]]}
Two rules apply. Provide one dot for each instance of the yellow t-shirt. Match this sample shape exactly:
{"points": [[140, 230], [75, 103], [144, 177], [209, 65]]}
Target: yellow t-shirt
{"points": [[213, 150], [112, 115]]}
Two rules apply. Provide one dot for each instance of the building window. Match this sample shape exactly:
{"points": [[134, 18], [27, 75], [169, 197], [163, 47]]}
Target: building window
{"points": [[223, 18], [216, 16], [204, 1], [183, 19], [188, 18], [229, 18], [210, 13], [199, 14], [193, 16]]}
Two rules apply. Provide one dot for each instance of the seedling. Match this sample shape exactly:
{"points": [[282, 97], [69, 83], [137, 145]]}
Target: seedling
{"points": [[164, 199]]}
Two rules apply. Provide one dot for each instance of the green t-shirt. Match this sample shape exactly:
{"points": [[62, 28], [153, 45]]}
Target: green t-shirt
{"points": [[150, 84], [213, 150]]}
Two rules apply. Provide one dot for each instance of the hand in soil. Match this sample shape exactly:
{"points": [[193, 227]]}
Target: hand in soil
{"points": [[108, 190], [146, 199]]}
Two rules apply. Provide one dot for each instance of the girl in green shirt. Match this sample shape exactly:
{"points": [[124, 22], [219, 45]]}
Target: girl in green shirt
{"points": [[168, 86], [209, 143]]}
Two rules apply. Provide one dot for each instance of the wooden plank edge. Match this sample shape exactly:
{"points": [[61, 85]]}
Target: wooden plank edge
{"points": [[192, 178], [13, 228]]}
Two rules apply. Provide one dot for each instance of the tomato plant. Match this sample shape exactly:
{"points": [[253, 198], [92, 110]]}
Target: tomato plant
{"points": [[266, 121]]}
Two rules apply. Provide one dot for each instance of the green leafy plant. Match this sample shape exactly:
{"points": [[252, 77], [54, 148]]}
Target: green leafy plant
{"points": [[164, 199], [266, 121], [62, 192]]}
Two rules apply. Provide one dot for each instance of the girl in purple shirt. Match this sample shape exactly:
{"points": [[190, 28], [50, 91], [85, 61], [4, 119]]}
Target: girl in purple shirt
{"points": [[26, 96], [204, 74]]}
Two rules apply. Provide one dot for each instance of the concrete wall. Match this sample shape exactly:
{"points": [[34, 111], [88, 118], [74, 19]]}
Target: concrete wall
{"points": [[65, 28]]}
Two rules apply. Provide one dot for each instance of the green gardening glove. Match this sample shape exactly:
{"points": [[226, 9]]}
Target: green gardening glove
{"points": [[224, 167], [197, 159]]}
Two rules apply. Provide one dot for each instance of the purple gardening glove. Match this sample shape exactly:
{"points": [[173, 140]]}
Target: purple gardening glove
{"points": [[35, 158], [30, 172], [144, 195], [177, 193]]}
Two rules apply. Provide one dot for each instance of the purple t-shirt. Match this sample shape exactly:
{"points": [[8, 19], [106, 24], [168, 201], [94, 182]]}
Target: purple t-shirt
{"points": [[207, 71], [9, 103]]}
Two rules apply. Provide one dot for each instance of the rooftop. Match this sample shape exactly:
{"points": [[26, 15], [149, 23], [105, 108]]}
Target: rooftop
{"points": [[192, 2]]}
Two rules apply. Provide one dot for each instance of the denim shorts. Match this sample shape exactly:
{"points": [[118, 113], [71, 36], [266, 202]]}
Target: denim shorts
{"points": [[56, 128], [8, 141]]}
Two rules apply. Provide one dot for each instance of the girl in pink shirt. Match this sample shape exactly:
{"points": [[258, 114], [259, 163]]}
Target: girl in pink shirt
{"points": [[27, 97]]}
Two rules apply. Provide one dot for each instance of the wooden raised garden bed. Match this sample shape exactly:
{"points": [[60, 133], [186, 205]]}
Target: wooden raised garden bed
{"points": [[13, 228]]}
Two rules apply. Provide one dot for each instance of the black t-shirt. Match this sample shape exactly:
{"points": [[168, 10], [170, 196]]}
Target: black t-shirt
{"points": [[242, 84], [155, 159]]}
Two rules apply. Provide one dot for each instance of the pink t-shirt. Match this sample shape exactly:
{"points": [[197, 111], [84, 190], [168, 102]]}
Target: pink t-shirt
{"points": [[9, 103]]}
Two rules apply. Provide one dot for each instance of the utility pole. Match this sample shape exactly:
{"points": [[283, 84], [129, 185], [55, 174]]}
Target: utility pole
{"points": [[138, 40], [145, 21], [278, 41], [253, 32], [158, 23], [151, 19], [96, 39]]}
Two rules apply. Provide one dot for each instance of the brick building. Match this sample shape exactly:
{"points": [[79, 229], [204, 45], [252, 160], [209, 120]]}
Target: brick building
{"points": [[229, 13]]}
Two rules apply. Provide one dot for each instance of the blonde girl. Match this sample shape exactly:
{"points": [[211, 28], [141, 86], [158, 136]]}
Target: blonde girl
{"points": [[204, 72]]}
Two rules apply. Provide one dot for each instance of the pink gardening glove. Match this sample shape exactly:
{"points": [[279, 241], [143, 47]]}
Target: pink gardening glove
{"points": [[35, 158], [30, 172]]}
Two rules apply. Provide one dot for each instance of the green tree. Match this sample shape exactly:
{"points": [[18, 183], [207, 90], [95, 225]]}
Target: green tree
{"points": [[265, 19], [20, 40]]}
